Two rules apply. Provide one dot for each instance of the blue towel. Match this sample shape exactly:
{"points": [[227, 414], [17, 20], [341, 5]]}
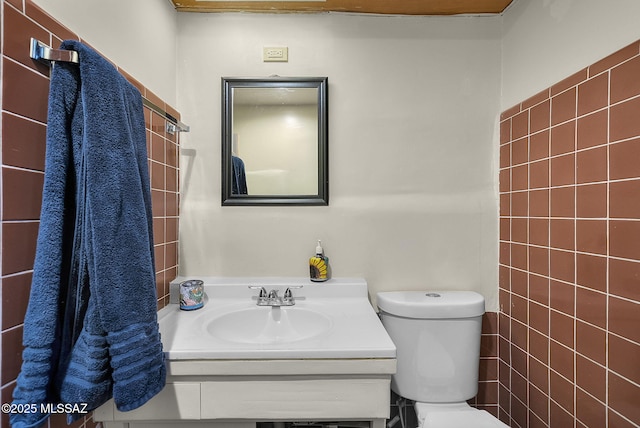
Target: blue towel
{"points": [[91, 329], [239, 183]]}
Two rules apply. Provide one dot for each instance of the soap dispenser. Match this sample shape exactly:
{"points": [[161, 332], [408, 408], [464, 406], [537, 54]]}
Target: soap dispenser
{"points": [[319, 265]]}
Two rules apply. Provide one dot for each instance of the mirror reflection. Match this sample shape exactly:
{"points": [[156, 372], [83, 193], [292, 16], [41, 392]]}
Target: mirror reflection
{"points": [[274, 141]]}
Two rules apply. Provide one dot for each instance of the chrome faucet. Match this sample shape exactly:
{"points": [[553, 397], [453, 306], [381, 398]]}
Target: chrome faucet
{"points": [[272, 298]]}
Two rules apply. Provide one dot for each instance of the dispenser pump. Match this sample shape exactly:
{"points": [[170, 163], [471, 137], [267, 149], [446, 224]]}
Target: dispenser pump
{"points": [[319, 250]]}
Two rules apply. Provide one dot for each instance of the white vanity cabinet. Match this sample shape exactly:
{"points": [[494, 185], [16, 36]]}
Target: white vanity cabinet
{"points": [[289, 371], [237, 394]]}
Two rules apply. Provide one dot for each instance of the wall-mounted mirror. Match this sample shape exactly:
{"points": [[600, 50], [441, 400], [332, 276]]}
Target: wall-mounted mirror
{"points": [[275, 141]]}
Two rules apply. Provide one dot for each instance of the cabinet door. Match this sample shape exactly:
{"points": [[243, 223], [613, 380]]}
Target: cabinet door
{"points": [[296, 399]]}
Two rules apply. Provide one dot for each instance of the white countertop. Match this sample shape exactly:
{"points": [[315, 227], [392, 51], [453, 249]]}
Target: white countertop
{"points": [[352, 328]]}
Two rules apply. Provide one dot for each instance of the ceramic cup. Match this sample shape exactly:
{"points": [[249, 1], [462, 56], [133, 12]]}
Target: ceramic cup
{"points": [[191, 294]]}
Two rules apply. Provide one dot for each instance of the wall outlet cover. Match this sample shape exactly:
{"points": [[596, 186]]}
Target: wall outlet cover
{"points": [[275, 54]]}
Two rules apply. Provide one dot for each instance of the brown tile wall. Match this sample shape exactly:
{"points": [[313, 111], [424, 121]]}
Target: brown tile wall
{"points": [[25, 86], [569, 346], [487, 398]]}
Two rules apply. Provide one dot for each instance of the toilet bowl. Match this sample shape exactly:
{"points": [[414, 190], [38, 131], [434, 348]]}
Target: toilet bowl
{"points": [[437, 338]]}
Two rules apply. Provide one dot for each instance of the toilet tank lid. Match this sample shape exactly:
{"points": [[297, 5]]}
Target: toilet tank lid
{"points": [[432, 304]]}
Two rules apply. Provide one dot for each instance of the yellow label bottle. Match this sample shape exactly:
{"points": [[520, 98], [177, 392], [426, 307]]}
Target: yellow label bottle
{"points": [[319, 265]]}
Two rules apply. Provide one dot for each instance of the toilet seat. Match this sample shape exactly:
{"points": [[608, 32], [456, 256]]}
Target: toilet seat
{"points": [[455, 416]]}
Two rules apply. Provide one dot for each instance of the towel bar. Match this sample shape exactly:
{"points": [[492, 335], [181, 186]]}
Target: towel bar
{"points": [[43, 53]]}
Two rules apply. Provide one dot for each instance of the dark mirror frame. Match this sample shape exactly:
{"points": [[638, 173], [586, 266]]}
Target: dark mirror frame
{"points": [[228, 85]]}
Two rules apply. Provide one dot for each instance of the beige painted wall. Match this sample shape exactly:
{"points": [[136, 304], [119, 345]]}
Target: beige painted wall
{"points": [[139, 36], [413, 103], [545, 41]]}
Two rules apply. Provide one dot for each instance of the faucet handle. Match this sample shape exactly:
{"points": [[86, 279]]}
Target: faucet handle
{"points": [[288, 294], [262, 293]]}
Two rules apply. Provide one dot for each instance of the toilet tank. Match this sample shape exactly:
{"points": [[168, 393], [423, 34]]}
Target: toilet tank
{"points": [[437, 336]]}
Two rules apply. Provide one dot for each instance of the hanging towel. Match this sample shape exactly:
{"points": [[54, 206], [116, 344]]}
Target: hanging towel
{"points": [[91, 330], [239, 183]]}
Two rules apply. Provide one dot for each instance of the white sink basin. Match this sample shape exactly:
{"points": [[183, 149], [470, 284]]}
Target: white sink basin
{"points": [[329, 320], [264, 324]]}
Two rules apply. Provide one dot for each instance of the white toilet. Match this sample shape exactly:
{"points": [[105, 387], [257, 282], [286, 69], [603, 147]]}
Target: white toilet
{"points": [[437, 336]]}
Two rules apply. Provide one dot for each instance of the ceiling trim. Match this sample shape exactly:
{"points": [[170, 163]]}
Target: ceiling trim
{"points": [[385, 7]]}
